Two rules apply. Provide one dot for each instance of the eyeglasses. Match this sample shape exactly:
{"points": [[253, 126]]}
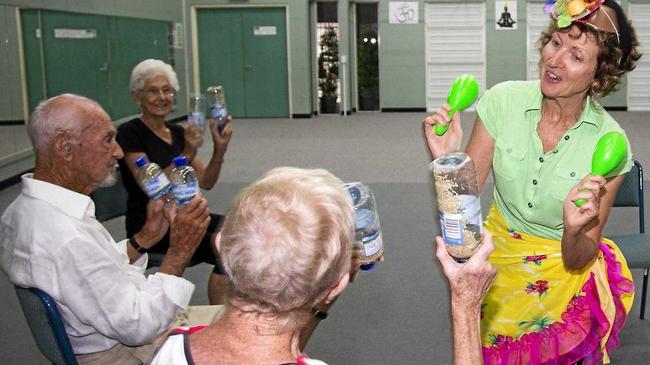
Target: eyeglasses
{"points": [[152, 92]]}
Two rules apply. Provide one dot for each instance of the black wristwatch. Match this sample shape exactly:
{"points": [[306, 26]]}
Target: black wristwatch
{"points": [[136, 246]]}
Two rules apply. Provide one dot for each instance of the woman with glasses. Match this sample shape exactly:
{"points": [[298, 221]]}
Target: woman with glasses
{"points": [[563, 291], [153, 84]]}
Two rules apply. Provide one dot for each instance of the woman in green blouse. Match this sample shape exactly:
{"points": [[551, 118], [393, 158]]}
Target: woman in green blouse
{"points": [[563, 291]]}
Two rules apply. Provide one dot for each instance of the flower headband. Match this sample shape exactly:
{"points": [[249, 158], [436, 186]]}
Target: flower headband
{"points": [[587, 12]]}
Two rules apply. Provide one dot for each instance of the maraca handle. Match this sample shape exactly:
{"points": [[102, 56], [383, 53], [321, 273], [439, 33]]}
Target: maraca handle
{"points": [[441, 129], [581, 201]]}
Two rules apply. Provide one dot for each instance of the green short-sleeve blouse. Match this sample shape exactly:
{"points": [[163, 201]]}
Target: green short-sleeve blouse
{"points": [[531, 185]]}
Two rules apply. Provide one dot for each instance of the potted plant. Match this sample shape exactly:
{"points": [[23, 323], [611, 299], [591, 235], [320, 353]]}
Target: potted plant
{"points": [[368, 71], [328, 70]]}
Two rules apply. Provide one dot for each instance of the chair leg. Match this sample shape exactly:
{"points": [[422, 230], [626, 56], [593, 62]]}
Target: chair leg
{"points": [[644, 292]]}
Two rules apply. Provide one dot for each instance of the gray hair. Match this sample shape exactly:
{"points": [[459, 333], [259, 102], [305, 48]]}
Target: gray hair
{"points": [[150, 68], [286, 242], [61, 112]]}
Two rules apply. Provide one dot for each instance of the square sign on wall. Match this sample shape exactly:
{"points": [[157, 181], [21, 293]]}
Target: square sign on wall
{"points": [[505, 13], [403, 12]]}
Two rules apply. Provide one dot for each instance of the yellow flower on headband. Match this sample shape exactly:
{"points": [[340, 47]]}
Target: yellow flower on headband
{"points": [[567, 11]]}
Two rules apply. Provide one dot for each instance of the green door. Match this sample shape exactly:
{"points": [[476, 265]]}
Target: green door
{"points": [[75, 51], [31, 29], [89, 55], [220, 55], [131, 41], [245, 50]]}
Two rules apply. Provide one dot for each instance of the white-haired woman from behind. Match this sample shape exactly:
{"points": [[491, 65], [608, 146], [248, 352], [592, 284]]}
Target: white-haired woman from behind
{"points": [[286, 246], [153, 84]]}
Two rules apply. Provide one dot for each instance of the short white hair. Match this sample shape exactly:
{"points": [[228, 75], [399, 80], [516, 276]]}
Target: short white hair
{"points": [[62, 112], [149, 69], [286, 242]]}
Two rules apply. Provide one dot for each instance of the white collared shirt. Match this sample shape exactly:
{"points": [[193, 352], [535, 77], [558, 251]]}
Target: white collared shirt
{"points": [[50, 239]]}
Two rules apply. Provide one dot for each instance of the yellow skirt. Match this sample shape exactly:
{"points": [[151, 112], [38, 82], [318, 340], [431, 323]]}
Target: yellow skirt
{"points": [[537, 312]]}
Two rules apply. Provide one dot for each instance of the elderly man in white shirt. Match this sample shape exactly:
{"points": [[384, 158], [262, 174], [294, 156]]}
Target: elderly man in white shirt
{"points": [[50, 239]]}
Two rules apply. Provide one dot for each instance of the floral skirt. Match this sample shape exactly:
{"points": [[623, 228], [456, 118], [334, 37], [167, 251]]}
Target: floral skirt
{"points": [[537, 312]]}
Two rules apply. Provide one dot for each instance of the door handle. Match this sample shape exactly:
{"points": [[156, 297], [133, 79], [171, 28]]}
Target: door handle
{"points": [[248, 67]]}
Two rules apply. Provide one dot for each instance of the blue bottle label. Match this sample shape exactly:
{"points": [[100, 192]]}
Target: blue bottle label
{"points": [[156, 187], [218, 111], [183, 193], [372, 243], [367, 226]]}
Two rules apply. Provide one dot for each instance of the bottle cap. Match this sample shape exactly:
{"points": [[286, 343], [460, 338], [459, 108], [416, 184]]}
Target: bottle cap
{"points": [[180, 161], [141, 161]]}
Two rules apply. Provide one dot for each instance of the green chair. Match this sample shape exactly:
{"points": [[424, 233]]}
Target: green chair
{"points": [[635, 247]]}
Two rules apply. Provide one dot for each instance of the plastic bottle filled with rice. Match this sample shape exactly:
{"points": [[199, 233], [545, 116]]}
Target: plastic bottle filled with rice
{"points": [[454, 177]]}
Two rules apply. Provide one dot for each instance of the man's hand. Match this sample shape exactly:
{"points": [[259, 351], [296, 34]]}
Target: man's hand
{"points": [[187, 230], [469, 281], [155, 227], [152, 232]]}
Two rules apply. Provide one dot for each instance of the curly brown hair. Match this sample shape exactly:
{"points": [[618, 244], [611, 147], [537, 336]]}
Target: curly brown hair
{"points": [[610, 64]]}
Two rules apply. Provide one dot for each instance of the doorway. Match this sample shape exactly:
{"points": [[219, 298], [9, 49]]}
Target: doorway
{"points": [[367, 56], [327, 54], [245, 51]]}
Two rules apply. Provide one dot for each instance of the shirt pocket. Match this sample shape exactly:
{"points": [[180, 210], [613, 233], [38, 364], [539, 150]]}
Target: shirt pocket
{"points": [[566, 178], [508, 160]]}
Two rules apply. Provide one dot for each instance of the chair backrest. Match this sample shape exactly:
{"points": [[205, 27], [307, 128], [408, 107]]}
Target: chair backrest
{"points": [[630, 194], [110, 202], [45, 323]]}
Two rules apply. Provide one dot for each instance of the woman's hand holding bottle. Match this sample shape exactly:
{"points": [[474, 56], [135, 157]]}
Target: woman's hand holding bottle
{"points": [[450, 141]]}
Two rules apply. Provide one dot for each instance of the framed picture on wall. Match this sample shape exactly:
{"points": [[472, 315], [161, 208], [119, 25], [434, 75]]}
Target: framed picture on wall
{"points": [[505, 13], [403, 12]]}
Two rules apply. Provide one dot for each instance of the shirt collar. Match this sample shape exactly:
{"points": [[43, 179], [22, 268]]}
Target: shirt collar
{"points": [[589, 112], [71, 203]]}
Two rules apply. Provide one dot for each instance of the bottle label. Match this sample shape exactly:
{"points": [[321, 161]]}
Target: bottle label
{"points": [[183, 193], [197, 118], [452, 228], [372, 243], [156, 187], [218, 111]]}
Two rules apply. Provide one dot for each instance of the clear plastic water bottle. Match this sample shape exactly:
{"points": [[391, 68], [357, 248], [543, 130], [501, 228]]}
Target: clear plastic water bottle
{"points": [[367, 226], [459, 204], [184, 182], [218, 111], [196, 113], [153, 181]]}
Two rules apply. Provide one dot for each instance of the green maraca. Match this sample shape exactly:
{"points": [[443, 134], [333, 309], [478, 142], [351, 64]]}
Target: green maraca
{"points": [[462, 94], [610, 150]]}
